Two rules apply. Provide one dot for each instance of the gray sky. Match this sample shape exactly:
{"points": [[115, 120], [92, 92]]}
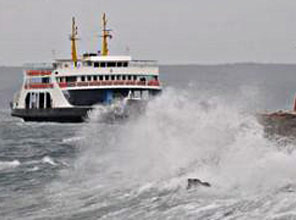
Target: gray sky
{"points": [[171, 31]]}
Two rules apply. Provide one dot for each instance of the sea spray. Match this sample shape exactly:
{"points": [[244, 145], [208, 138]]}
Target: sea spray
{"points": [[178, 134], [122, 169]]}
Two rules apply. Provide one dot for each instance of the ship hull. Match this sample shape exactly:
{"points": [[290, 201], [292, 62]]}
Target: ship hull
{"points": [[131, 108], [52, 115]]}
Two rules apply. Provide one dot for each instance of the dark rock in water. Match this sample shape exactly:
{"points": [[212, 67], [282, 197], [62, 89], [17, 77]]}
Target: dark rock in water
{"points": [[279, 123], [194, 182], [289, 188], [228, 213]]}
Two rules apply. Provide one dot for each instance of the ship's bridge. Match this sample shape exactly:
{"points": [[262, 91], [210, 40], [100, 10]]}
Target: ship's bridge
{"points": [[106, 65], [97, 61], [92, 57]]}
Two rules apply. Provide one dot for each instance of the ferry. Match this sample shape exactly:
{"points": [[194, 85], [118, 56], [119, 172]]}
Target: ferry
{"points": [[66, 90]]}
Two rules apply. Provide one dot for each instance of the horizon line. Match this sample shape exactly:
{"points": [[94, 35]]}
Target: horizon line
{"points": [[198, 64]]}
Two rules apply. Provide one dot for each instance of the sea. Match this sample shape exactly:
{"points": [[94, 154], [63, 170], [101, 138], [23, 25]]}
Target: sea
{"points": [[204, 125]]}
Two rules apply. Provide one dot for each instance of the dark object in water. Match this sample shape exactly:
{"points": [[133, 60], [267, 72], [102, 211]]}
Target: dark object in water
{"points": [[194, 182], [281, 123]]}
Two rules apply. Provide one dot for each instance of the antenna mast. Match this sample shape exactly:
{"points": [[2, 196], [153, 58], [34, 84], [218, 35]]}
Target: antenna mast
{"points": [[105, 35], [73, 38]]}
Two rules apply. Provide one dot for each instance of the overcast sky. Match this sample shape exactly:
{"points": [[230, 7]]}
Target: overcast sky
{"points": [[171, 31]]}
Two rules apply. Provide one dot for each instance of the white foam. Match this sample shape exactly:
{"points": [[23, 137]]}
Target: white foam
{"points": [[71, 139], [9, 164], [48, 160], [35, 168]]}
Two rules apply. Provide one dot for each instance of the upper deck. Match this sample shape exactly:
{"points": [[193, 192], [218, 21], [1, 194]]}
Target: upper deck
{"points": [[93, 71], [106, 65], [97, 65]]}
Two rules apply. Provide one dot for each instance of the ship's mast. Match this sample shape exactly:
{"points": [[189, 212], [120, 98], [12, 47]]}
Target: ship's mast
{"points": [[105, 35], [73, 38]]}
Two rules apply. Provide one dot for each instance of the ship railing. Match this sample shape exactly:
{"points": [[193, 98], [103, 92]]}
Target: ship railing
{"points": [[67, 63], [39, 86], [143, 63], [44, 72], [38, 66], [111, 83]]}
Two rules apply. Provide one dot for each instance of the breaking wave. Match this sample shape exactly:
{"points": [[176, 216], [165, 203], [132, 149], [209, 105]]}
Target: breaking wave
{"points": [[30, 165], [124, 169], [9, 164], [48, 160], [183, 135]]}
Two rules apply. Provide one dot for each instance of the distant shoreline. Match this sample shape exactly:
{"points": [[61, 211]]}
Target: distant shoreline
{"points": [[233, 64], [205, 65]]}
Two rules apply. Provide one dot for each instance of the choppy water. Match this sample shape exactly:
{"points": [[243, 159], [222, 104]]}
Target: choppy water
{"points": [[203, 126]]}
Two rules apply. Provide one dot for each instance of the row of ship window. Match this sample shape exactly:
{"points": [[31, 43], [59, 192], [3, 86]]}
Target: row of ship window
{"points": [[105, 78], [97, 64], [105, 64], [39, 80]]}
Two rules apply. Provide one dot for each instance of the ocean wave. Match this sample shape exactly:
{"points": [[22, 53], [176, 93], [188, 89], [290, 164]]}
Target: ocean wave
{"points": [[48, 160], [71, 139], [34, 169], [181, 136], [9, 164], [144, 163]]}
